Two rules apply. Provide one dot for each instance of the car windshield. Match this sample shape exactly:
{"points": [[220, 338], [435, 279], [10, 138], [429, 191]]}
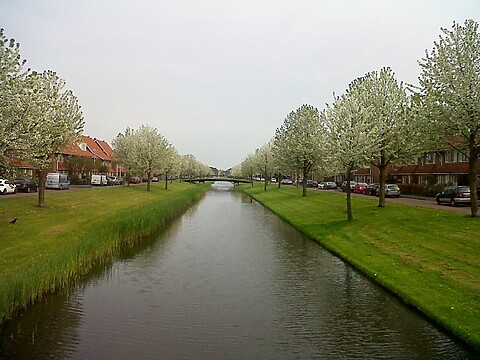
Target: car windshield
{"points": [[463, 189]]}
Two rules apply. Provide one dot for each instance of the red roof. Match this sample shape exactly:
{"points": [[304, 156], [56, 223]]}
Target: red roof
{"points": [[95, 148], [20, 163], [74, 149], [102, 144]]}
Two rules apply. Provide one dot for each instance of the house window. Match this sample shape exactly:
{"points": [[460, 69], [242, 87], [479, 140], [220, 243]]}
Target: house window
{"points": [[462, 157], [430, 158], [450, 156]]}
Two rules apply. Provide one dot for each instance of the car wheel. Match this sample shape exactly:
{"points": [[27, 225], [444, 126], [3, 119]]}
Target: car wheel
{"points": [[28, 190], [453, 203], [438, 201], [4, 192]]}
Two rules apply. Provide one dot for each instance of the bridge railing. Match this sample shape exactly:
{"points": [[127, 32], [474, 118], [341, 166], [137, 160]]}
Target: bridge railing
{"points": [[211, 179]]}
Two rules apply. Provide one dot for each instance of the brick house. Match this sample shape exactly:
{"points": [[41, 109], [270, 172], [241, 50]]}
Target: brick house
{"points": [[81, 159], [445, 166]]}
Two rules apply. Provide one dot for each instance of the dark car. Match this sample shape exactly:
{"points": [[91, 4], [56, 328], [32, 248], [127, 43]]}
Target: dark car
{"points": [[372, 189], [454, 195], [330, 185], [26, 185]]}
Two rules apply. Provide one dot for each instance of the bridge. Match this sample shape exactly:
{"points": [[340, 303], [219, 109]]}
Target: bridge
{"points": [[234, 181]]}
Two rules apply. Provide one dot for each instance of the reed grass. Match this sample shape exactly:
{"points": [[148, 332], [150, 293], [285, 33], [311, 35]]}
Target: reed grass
{"points": [[429, 258], [49, 248]]}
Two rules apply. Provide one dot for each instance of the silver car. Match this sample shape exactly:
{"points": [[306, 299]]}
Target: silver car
{"points": [[392, 190]]}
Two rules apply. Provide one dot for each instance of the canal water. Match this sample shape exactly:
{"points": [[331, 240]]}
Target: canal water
{"points": [[227, 280]]}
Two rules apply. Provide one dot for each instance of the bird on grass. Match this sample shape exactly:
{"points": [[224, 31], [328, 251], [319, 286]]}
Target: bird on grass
{"points": [[13, 221]]}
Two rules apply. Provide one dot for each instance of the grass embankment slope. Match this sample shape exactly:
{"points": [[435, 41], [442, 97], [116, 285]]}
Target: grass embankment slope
{"points": [[430, 258], [49, 247]]}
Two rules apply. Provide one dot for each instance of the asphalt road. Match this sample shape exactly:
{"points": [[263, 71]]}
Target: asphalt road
{"points": [[419, 201]]}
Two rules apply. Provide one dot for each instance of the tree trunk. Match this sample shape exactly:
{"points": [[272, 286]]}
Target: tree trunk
{"points": [[472, 176], [349, 198], [166, 181], [381, 194], [304, 190], [382, 166], [148, 180], [41, 188], [279, 181]]}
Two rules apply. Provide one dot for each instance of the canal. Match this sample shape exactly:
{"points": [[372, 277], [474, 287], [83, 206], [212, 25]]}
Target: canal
{"points": [[227, 280]]}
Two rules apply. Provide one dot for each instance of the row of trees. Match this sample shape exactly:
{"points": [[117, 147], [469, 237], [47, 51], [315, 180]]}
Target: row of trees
{"points": [[38, 116], [146, 152], [379, 121]]}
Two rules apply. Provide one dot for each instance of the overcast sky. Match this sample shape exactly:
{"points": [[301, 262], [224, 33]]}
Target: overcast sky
{"points": [[216, 78]]}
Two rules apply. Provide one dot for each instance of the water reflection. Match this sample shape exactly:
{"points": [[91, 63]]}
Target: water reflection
{"points": [[222, 185], [229, 281]]}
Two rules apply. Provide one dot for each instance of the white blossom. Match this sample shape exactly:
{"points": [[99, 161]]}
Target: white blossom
{"points": [[450, 94]]}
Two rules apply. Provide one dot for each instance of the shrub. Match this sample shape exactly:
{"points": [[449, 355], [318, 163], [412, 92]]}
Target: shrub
{"points": [[421, 190]]}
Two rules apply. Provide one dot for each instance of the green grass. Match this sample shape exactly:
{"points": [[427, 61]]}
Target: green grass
{"points": [[50, 247], [430, 258]]}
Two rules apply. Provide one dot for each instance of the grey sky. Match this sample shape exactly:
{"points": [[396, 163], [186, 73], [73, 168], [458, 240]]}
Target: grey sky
{"points": [[216, 78]]}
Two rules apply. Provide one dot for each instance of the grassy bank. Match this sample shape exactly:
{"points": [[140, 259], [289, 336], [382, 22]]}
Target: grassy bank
{"points": [[430, 258], [48, 248]]}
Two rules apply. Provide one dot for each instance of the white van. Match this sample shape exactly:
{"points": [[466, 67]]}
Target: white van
{"points": [[57, 181], [99, 180]]}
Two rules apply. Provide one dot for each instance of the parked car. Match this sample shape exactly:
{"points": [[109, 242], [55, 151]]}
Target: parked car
{"points": [[454, 195], [6, 187], [25, 185], [155, 179], [327, 185], [312, 183], [359, 188], [372, 189], [330, 185], [135, 180], [352, 185], [113, 180], [287, 181], [392, 190]]}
